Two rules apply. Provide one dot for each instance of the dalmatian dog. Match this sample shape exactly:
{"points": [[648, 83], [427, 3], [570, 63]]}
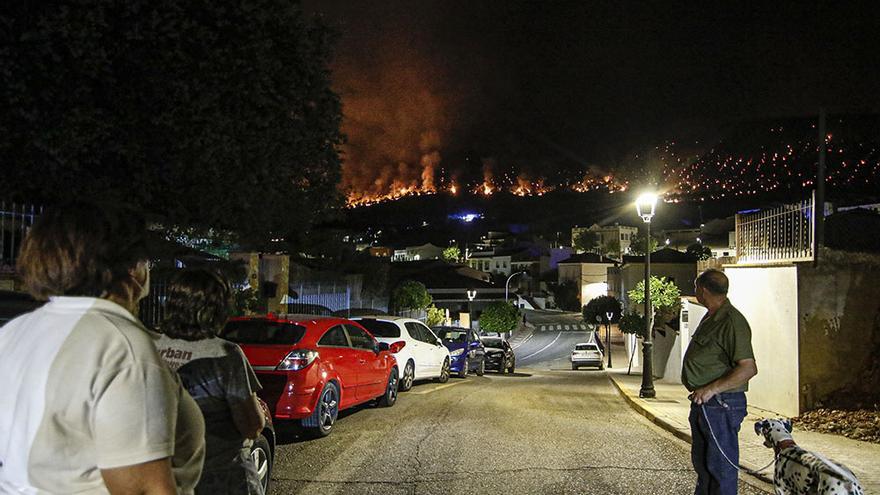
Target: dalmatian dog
{"points": [[800, 472]]}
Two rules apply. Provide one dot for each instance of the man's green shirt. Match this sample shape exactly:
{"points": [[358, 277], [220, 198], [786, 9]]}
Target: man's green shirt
{"points": [[718, 343]]}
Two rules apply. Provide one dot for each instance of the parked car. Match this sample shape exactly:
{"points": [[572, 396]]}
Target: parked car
{"points": [[465, 349], [499, 355], [424, 356], [14, 303], [312, 367], [586, 354]]}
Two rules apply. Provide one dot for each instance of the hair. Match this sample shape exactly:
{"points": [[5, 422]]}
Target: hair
{"points": [[82, 249], [199, 302], [714, 281]]}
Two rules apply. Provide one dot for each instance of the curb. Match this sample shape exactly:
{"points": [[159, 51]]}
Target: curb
{"points": [[680, 434]]}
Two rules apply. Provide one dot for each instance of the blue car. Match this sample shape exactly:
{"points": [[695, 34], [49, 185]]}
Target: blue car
{"points": [[465, 348]]}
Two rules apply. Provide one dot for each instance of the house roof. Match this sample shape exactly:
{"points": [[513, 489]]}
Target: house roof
{"points": [[435, 274], [665, 255], [587, 258]]}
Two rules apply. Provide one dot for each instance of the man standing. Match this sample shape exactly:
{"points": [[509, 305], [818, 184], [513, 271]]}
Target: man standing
{"points": [[717, 367]]}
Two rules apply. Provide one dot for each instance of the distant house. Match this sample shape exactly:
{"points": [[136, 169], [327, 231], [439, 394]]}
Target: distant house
{"points": [[499, 263], [589, 271], [381, 251], [622, 234], [533, 261], [678, 267], [418, 253]]}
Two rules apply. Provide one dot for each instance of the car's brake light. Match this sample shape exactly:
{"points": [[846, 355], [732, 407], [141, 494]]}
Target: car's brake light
{"points": [[297, 360], [397, 346]]}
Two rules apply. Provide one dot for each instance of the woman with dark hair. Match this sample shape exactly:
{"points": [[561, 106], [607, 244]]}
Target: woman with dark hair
{"points": [[87, 405], [218, 377]]}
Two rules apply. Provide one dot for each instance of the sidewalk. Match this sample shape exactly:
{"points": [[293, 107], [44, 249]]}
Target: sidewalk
{"points": [[669, 410]]}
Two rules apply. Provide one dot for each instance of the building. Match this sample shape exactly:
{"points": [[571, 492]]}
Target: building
{"points": [[589, 271], [679, 239], [418, 253], [621, 234]]}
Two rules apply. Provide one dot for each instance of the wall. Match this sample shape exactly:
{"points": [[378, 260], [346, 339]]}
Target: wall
{"points": [[768, 298], [839, 314]]}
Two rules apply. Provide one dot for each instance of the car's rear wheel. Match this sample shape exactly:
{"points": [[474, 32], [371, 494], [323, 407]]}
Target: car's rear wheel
{"points": [[512, 368], [390, 396], [481, 369], [574, 366], [503, 367], [322, 419], [444, 372], [409, 373], [465, 368], [261, 454]]}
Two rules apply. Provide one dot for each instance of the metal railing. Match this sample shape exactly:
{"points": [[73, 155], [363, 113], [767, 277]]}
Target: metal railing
{"points": [[15, 220], [776, 235]]}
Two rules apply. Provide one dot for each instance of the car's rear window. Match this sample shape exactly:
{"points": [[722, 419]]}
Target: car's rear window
{"points": [[490, 342], [451, 334], [586, 347], [381, 329], [263, 332]]}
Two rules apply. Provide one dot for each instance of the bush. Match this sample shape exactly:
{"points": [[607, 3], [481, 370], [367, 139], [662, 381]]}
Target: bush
{"points": [[436, 316], [599, 306], [499, 317], [410, 295], [247, 302], [633, 323]]}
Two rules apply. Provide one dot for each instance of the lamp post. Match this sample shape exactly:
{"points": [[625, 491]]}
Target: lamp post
{"points": [[471, 294], [608, 316], [645, 206], [506, 284]]}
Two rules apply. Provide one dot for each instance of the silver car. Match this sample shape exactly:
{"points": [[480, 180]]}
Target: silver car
{"points": [[586, 354]]}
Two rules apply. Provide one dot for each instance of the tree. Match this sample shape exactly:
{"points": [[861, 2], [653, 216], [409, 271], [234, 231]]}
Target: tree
{"points": [[566, 295], [665, 299], [452, 254], [611, 248], [699, 251], [410, 295], [586, 241], [500, 317], [600, 306], [202, 114], [637, 246], [436, 316]]}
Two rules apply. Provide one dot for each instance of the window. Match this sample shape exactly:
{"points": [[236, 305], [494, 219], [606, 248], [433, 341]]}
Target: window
{"points": [[429, 334], [381, 329], [415, 331], [258, 331], [359, 338], [335, 337]]}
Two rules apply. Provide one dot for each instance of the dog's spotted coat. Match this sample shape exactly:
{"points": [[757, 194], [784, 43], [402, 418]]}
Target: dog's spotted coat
{"points": [[800, 472]]}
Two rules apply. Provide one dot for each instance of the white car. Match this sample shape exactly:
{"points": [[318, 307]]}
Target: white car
{"points": [[586, 354], [424, 356]]}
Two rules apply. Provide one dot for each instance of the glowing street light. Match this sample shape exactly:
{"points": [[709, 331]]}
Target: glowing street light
{"points": [[646, 205]]}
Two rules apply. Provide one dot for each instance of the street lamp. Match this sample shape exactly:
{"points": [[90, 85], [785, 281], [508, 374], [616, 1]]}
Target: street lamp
{"points": [[645, 206], [508, 283], [471, 294], [608, 317]]}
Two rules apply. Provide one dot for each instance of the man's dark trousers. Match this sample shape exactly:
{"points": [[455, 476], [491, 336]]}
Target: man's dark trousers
{"points": [[726, 411]]}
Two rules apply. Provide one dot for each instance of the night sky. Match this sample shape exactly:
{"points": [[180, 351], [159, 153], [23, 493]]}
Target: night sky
{"points": [[439, 89]]}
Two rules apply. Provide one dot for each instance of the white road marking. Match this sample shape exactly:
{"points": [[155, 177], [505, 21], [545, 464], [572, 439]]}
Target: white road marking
{"points": [[545, 347], [514, 347], [431, 391]]}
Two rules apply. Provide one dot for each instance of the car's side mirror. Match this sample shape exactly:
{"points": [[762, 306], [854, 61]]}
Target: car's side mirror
{"points": [[382, 346]]}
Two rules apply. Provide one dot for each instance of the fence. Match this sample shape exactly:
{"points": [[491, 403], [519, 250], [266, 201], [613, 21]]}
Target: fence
{"points": [[775, 235], [15, 220]]}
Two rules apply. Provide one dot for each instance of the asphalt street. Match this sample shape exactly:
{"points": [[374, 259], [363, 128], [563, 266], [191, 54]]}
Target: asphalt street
{"points": [[546, 429]]}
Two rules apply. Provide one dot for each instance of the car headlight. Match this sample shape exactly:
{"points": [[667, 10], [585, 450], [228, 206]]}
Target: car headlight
{"points": [[457, 352]]}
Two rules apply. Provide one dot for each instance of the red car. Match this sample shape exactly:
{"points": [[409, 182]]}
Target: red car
{"points": [[312, 367]]}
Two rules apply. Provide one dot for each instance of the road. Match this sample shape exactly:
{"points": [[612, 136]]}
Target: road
{"points": [[538, 431]]}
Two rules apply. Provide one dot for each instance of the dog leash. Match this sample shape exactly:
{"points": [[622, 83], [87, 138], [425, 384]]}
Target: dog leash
{"points": [[718, 444]]}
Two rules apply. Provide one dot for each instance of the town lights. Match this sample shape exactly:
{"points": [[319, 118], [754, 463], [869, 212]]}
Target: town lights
{"points": [[646, 205]]}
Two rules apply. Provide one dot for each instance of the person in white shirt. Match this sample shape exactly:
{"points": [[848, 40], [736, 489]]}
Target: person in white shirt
{"points": [[88, 406]]}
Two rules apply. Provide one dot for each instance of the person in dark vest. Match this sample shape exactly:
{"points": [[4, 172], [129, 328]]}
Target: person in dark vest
{"points": [[217, 375], [717, 367]]}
